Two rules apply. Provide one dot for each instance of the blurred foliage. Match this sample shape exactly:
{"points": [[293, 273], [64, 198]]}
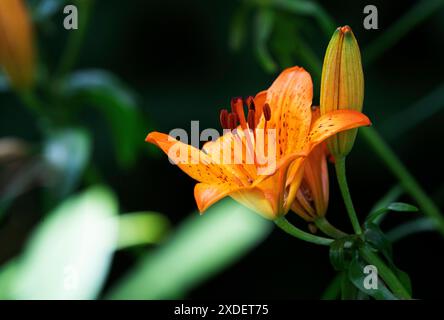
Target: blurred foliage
{"points": [[160, 64], [198, 249]]}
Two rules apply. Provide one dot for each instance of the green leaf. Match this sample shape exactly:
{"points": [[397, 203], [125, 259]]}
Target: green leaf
{"points": [[402, 207], [140, 228], [395, 206], [377, 240], [380, 242], [201, 247], [67, 153], [342, 251], [404, 278], [348, 290], [103, 90], [391, 196], [69, 255], [357, 276]]}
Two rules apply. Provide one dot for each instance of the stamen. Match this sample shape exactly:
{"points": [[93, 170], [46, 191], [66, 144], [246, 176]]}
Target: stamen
{"points": [[224, 119], [237, 105], [267, 112]]}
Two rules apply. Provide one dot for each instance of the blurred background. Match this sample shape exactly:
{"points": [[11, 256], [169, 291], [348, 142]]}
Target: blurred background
{"points": [[76, 146]]}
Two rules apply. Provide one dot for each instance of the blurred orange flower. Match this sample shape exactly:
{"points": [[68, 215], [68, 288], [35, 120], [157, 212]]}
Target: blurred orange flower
{"points": [[284, 110], [16, 43]]}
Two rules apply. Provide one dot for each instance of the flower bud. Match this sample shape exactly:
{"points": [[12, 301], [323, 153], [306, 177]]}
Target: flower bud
{"points": [[16, 43], [342, 84]]}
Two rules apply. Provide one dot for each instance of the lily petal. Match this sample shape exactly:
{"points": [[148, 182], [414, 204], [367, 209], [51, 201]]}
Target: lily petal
{"points": [[194, 162], [334, 122], [290, 97], [208, 194]]}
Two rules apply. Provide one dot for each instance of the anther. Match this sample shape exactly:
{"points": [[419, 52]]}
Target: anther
{"points": [[249, 101], [267, 112], [251, 119], [224, 119], [235, 103], [232, 121]]}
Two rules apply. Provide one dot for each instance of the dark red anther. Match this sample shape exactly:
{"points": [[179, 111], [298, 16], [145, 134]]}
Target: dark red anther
{"points": [[235, 103], [267, 112], [232, 121], [224, 118], [249, 101], [251, 119]]}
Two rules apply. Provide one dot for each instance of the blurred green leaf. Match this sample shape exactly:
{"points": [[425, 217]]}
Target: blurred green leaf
{"points": [[263, 29], [103, 90], [26, 177], [8, 272], [308, 7], [387, 39], [412, 116], [67, 152], [141, 228], [44, 9], [238, 29], [201, 247], [4, 82], [69, 255], [411, 227]]}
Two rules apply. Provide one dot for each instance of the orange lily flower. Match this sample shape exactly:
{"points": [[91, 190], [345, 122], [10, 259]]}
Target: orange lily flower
{"points": [[16, 43], [312, 197], [285, 110]]}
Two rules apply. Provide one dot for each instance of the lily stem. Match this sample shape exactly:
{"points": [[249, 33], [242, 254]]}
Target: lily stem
{"points": [[407, 180], [326, 227], [385, 272], [285, 225], [342, 181]]}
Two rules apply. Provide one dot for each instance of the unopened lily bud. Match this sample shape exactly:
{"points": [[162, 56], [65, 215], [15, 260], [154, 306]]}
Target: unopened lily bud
{"points": [[342, 85], [16, 43]]}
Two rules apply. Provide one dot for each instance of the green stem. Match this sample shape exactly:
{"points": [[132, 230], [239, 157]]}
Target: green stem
{"points": [[324, 225], [75, 39], [408, 182], [385, 272], [285, 225], [333, 290], [342, 181]]}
